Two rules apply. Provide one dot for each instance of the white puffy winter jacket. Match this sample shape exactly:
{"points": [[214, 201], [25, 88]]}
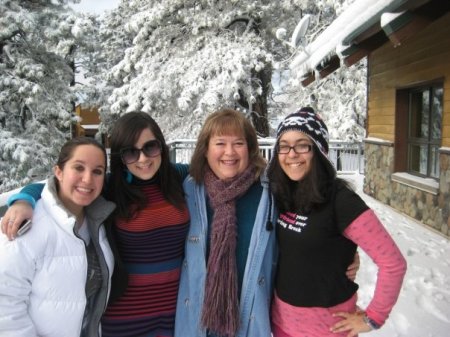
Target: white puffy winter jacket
{"points": [[43, 273]]}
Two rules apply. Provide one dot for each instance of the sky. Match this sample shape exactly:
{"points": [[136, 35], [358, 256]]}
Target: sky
{"points": [[423, 308], [95, 6]]}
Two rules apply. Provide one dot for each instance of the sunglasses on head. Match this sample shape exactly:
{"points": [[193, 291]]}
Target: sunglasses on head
{"points": [[152, 148]]}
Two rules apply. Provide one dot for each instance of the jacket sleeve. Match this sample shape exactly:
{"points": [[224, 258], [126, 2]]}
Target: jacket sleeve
{"points": [[16, 275], [369, 234], [30, 193]]}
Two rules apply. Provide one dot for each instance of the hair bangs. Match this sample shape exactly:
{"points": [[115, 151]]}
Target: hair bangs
{"points": [[227, 126]]}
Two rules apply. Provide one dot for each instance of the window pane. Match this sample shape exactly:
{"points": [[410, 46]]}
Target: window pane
{"points": [[418, 158], [436, 123], [434, 160], [419, 114], [425, 130]]}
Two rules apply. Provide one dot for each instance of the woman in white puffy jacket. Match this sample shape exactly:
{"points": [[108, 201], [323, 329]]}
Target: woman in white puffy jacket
{"points": [[55, 280]]}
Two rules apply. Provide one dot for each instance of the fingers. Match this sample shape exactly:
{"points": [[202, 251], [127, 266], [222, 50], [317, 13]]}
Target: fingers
{"points": [[7, 223], [3, 224], [341, 326], [10, 226], [11, 223], [351, 273], [351, 322], [353, 268], [14, 217]]}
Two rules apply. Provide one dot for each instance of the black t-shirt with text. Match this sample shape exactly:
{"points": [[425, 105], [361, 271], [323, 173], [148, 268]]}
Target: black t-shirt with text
{"points": [[314, 255]]}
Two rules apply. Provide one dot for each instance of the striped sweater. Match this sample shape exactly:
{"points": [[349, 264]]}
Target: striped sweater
{"points": [[151, 245]]}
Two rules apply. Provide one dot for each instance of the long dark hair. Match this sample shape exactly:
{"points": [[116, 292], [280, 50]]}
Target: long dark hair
{"points": [[304, 195], [128, 197]]}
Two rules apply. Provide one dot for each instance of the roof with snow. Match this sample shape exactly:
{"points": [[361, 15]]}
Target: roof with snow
{"points": [[363, 27]]}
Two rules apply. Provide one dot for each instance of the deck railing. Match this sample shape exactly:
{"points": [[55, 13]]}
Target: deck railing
{"points": [[346, 157]]}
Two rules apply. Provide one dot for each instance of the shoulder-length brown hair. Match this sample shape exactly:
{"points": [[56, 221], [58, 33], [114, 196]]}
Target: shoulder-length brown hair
{"points": [[225, 122]]}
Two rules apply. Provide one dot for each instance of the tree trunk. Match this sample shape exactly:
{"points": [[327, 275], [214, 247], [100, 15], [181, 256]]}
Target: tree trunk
{"points": [[259, 109]]}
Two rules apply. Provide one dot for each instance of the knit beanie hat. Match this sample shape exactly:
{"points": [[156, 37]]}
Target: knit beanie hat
{"points": [[308, 122]]}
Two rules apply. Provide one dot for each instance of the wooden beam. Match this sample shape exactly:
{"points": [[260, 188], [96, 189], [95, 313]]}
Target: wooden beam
{"points": [[311, 77], [404, 26], [333, 63], [355, 57], [356, 52]]}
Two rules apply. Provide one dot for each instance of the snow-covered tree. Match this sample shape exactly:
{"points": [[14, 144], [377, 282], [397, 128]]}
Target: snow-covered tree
{"points": [[185, 58], [340, 99], [38, 41], [112, 41], [176, 59]]}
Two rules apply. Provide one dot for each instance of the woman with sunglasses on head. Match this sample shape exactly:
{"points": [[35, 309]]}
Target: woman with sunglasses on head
{"points": [[147, 231], [321, 223], [55, 280]]}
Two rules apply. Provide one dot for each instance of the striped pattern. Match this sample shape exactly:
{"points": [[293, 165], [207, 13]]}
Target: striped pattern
{"points": [[152, 247]]}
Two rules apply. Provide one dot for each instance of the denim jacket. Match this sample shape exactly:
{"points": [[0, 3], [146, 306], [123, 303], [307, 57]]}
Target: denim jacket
{"points": [[257, 285]]}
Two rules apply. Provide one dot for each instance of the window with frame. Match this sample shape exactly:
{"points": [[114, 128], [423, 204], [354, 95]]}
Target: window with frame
{"points": [[424, 130]]}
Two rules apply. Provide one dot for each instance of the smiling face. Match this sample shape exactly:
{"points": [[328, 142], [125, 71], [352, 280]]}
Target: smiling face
{"points": [[295, 166], [145, 167], [227, 155], [81, 178]]}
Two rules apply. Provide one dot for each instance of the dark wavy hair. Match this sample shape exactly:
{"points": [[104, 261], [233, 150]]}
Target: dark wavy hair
{"points": [[304, 195], [225, 122], [128, 197]]}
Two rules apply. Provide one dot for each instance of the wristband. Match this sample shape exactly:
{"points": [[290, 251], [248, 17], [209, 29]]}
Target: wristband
{"points": [[21, 196], [370, 322]]}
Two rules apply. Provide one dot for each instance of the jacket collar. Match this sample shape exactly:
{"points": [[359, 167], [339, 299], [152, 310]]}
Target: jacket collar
{"points": [[96, 212]]}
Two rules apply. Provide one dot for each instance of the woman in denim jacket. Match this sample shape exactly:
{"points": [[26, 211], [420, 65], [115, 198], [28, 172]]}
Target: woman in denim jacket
{"points": [[227, 276]]}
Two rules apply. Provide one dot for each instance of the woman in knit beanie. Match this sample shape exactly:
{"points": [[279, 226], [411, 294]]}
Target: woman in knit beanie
{"points": [[320, 225]]}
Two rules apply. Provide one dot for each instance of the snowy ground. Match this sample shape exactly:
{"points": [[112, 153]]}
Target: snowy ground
{"points": [[423, 309]]}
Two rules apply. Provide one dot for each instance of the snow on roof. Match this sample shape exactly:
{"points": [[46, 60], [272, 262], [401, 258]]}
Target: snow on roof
{"points": [[358, 16], [386, 18]]}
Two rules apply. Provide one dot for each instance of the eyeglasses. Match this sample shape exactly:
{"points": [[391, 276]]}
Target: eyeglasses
{"points": [[130, 155], [298, 148]]}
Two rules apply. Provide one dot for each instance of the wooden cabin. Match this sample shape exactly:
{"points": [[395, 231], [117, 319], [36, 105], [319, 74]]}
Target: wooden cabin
{"points": [[407, 149], [88, 121]]}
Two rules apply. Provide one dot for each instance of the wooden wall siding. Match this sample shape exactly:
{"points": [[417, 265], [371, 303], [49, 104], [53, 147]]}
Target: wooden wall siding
{"points": [[446, 121], [88, 115], [420, 59]]}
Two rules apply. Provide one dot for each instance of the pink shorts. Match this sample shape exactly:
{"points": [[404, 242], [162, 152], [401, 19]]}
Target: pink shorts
{"points": [[291, 321]]}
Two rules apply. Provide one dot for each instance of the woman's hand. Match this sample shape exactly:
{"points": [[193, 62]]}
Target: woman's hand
{"points": [[353, 268], [351, 322], [14, 216]]}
